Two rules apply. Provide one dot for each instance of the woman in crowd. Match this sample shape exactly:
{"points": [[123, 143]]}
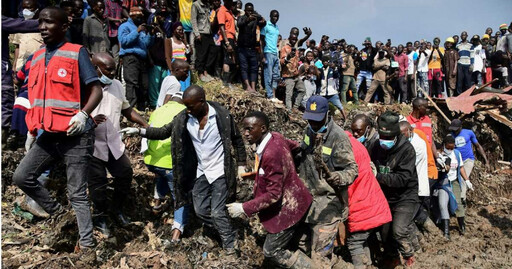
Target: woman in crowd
{"points": [[177, 47]]}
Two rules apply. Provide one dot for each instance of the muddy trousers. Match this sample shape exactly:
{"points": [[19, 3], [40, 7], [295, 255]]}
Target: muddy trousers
{"points": [[122, 172], [275, 246], [210, 206], [357, 244], [76, 151], [399, 234]]}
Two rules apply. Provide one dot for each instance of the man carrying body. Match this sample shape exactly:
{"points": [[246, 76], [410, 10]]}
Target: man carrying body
{"points": [[364, 132], [280, 197], [203, 136], [337, 167], [61, 106], [108, 146], [395, 162]]}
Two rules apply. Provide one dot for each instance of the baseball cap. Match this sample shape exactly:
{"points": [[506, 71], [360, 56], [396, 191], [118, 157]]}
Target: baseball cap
{"points": [[450, 40], [486, 36], [316, 108], [455, 125]]}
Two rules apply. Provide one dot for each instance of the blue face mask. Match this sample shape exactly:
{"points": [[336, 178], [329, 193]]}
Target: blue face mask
{"points": [[322, 130], [387, 144], [104, 79], [361, 139]]}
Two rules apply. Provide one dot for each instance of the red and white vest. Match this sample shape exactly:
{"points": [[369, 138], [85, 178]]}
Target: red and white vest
{"points": [[53, 90]]}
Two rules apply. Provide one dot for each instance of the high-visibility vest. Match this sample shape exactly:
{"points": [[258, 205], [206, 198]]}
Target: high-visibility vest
{"points": [[53, 90]]}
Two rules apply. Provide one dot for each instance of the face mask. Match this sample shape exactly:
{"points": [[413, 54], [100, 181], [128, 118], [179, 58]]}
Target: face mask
{"points": [[448, 151], [387, 144], [27, 14], [138, 21], [410, 137], [361, 139], [104, 79], [319, 131]]}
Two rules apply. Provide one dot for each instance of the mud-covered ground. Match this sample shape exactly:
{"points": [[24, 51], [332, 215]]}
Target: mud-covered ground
{"points": [[39, 243]]}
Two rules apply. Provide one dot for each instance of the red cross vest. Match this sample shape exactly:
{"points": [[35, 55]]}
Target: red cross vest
{"points": [[53, 90]]}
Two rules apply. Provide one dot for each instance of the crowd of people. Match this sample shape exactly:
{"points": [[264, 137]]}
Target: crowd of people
{"points": [[382, 181]]}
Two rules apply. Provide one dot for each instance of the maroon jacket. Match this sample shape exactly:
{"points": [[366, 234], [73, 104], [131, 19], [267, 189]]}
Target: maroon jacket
{"points": [[280, 198]]}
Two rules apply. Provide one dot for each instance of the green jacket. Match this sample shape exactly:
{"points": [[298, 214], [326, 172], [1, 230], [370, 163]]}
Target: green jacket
{"points": [[159, 151]]}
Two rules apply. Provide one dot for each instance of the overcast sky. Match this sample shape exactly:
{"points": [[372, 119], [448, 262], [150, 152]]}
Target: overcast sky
{"points": [[399, 20]]}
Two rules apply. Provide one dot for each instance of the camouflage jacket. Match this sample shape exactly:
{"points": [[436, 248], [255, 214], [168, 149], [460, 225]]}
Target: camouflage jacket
{"points": [[337, 157]]}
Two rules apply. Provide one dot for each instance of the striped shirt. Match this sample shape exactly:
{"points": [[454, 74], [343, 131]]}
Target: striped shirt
{"points": [[464, 53]]}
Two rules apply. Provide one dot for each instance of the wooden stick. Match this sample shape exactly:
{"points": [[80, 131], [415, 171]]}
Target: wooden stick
{"points": [[504, 162], [435, 106], [486, 84]]}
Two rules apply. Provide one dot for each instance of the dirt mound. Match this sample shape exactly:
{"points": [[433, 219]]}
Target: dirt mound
{"points": [[146, 243]]}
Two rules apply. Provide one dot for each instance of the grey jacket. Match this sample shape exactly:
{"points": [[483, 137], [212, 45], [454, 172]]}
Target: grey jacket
{"points": [[184, 156], [200, 18], [338, 156]]}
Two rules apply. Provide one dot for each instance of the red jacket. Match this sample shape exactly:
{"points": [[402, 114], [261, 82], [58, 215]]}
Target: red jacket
{"points": [[280, 198], [367, 205], [53, 89]]}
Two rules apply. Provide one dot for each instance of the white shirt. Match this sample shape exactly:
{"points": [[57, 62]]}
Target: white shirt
{"points": [[208, 146], [421, 165], [423, 61], [452, 174], [410, 69], [107, 133], [263, 144], [479, 55], [170, 86]]}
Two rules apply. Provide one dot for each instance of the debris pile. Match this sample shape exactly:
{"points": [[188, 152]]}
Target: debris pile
{"points": [[146, 243]]}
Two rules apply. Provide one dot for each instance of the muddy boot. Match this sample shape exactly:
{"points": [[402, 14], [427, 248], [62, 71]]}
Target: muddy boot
{"points": [[33, 207], [85, 256], [462, 225], [100, 223], [302, 261], [416, 243], [446, 228], [430, 227], [359, 261]]}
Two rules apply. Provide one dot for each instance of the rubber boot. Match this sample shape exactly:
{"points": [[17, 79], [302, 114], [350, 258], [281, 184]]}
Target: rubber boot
{"points": [[462, 225], [100, 223], [446, 228], [429, 226], [33, 207], [302, 261]]}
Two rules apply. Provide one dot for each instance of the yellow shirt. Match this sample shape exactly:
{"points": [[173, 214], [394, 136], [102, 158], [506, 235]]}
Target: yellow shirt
{"points": [[435, 63]]}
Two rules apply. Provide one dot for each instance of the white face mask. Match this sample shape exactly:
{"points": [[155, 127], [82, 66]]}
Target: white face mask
{"points": [[104, 79], [448, 151], [27, 14]]}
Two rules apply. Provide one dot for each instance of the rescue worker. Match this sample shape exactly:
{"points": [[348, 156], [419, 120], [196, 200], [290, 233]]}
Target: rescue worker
{"points": [[108, 146], [364, 132], [396, 173], [204, 134], [63, 89], [327, 158], [280, 198]]}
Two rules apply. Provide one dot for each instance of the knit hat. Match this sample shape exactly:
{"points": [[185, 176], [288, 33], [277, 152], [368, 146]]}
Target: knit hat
{"points": [[135, 11], [176, 25], [388, 124], [503, 26]]}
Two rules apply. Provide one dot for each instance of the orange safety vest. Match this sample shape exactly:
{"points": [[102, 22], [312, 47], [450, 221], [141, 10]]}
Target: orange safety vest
{"points": [[53, 90]]}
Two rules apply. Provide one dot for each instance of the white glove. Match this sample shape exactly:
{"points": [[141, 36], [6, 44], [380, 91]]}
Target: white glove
{"points": [[235, 210], [469, 185], [77, 123], [129, 131], [241, 170], [30, 141]]}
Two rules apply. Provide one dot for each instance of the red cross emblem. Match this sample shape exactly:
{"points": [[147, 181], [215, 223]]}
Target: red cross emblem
{"points": [[62, 72]]}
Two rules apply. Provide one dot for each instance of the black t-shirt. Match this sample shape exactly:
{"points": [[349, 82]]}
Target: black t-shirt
{"points": [[157, 51], [366, 59], [247, 33]]}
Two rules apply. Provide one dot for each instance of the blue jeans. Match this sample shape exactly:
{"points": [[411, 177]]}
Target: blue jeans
{"points": [[271, 73], [164, 185], [335, 100], [367, 75], [76, 152], [248, 64]]}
